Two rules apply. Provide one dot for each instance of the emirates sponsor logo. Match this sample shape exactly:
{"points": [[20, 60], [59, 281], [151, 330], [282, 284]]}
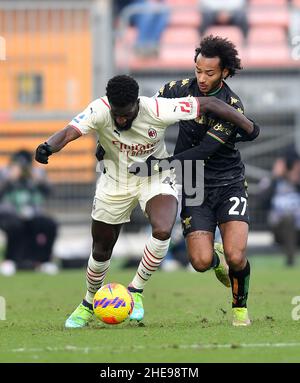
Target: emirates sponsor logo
{"points": [[135, 149]]}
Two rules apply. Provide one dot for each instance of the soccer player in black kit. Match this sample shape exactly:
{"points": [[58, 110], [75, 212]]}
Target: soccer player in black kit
{"points": [[225, 191]]}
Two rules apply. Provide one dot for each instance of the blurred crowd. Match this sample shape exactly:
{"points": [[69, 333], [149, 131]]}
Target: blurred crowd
{"points": [[151, 18], [280, 196], [30, 232]]}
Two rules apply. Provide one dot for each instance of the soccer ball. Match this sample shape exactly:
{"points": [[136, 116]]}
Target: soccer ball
{"points": [[112, 303]]}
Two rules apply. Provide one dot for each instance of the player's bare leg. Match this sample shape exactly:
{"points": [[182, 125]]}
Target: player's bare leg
{"points": [[234, 235], [162, 211], [200, 249], [104, 238], [204, 254]]}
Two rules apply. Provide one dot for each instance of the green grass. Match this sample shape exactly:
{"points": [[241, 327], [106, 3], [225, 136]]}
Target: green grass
{"points": [[188, 319]]}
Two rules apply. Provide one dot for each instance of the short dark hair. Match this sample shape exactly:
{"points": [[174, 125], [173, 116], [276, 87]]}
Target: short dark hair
{"points": [[122, 90], [22, 157], [215, 46], [291, 156]]}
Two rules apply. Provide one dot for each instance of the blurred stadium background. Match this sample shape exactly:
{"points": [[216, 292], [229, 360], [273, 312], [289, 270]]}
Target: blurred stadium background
{"points": [[60, 54]]}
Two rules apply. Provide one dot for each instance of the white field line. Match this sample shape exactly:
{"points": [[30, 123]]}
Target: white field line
{"points": [[199, 346]]}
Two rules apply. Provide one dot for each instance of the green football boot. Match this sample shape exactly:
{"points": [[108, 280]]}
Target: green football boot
{"points": [[138, 309], [221, 271], [240, 316], [79, 317]]}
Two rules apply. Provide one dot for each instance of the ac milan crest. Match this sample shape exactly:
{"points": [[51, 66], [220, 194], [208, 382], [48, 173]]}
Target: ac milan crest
{"points": [[152, 133]]}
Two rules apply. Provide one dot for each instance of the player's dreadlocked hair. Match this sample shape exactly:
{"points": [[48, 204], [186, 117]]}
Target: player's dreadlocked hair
{"points": [[220, 47], [122, 90]]}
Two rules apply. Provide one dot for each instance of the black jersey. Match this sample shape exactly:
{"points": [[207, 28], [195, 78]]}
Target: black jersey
{"points": [[224, 166]]}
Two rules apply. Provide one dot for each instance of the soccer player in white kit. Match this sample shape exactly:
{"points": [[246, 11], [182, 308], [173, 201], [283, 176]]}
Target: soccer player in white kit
{"points": [[130, 129]]}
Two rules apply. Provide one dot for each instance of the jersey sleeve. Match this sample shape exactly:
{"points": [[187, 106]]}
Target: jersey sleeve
{"points": [[90, 119], [171, 110], [206, 148], [215, 137], [222, 131], [175, 89], [169, 90]]}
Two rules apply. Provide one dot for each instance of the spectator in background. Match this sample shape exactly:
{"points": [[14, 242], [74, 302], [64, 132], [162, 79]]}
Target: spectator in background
{"points": [[280, 195], [220, 12], [30, 233], [150, 24]]}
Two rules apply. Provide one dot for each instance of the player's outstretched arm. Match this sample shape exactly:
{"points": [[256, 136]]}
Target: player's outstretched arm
{"points": [[55, 143], [210, 143], [227, 113]]}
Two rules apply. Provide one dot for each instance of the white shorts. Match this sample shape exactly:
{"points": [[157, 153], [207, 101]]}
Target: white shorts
{"points": [[114, 202]]}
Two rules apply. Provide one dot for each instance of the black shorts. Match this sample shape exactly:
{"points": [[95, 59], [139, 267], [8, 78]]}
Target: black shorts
{"points": [[220, 205]]}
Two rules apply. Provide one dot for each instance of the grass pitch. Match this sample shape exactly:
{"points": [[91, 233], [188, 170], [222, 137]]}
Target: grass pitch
{"points": [[187, 319]]}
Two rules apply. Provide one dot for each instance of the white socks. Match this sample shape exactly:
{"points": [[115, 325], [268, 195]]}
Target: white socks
{"points": [[154, 252], [95, 274]]}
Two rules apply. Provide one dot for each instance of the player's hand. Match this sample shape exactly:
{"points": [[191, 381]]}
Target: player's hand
{"points": [[99, 152], [43, 151], [147, 168], [153, 164], [135, 168], [248, 137]]}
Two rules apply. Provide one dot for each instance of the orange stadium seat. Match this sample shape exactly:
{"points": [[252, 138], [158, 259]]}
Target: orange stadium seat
{"points": [[75, 164], [62, 161], [189, 18], [180, 36], [268, 56], [185, 3], [126, 58], [68, 167], [30, 128], [268, 2], [267, 41], [279, 16], [259, 35], [170, 57], [129, 36], [233, 33], [30, 143], [176, 58]]}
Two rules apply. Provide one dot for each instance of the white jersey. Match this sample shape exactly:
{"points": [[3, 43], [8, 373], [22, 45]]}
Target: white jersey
{"points": [[144, 138]]}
